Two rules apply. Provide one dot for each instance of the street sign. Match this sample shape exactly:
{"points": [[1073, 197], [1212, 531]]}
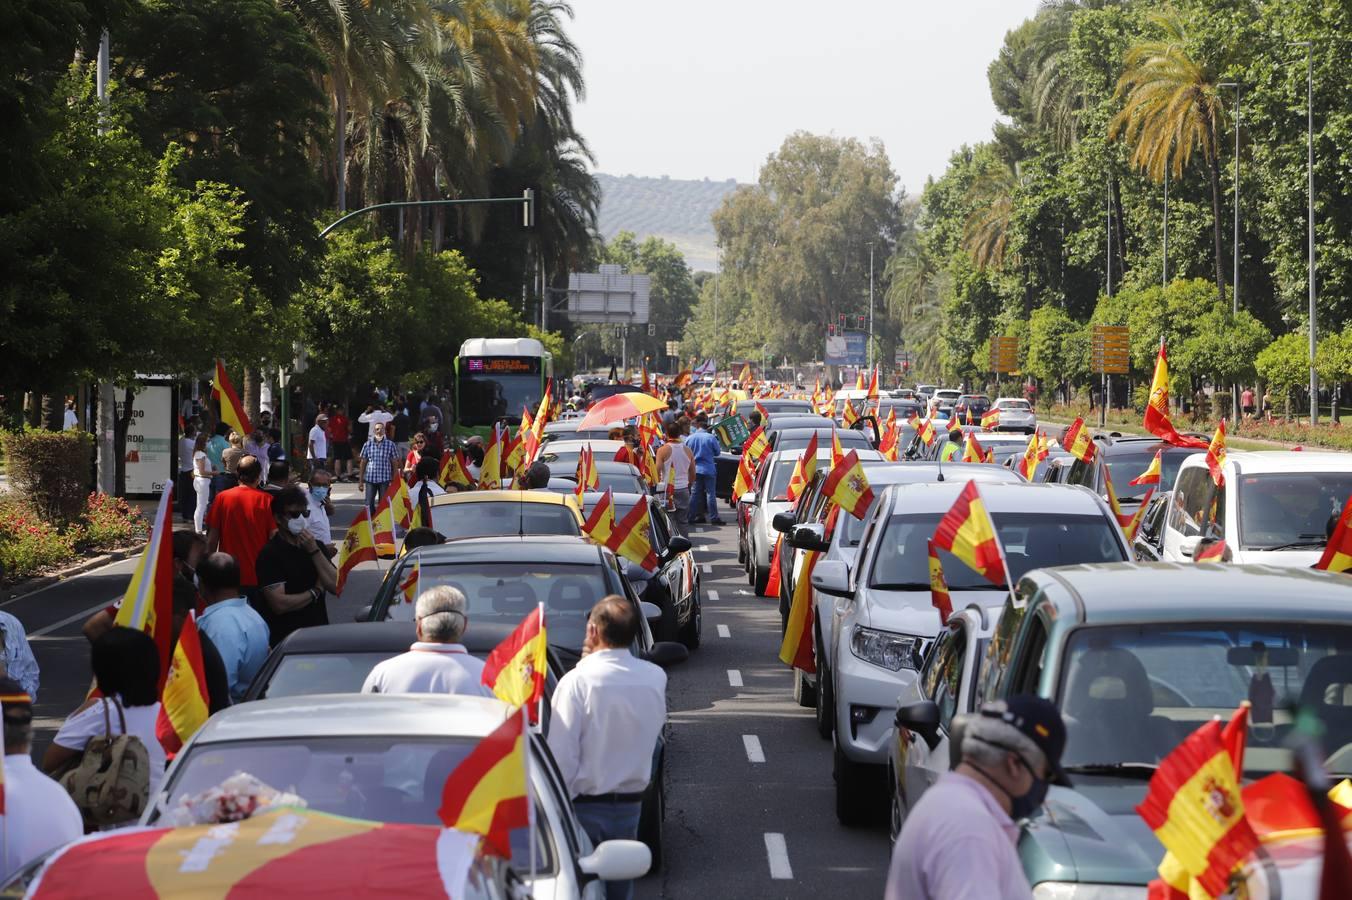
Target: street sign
{"points": [[1111, 351], [1004, 354]]}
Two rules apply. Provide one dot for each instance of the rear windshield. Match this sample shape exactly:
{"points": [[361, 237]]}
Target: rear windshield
{"points": [[849, 439], [462, 520], [303, 674], [1126, 466]]}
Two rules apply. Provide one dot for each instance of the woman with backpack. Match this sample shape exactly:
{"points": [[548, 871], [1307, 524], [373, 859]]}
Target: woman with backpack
{"points": [[106, 754]]}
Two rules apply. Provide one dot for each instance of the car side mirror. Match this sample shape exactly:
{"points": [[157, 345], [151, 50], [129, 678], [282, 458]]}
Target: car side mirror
{"points": [[651, 611], [749, 498], [363, 614], [922, 718], [617, 861], [678, 544], [666, 654], [832, 577], [783, 522], [811, 536]]}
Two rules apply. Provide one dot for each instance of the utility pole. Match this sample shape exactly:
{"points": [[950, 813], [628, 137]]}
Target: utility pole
{"points": [[1164, 282], [718, 276], [107, 418], [1309, 166], [870, 304], [1234, 282]]}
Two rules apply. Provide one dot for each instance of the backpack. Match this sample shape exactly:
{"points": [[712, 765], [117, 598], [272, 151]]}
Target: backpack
{"points": [[111, 783]]}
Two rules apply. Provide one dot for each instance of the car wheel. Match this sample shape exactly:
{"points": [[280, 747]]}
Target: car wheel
{"points": [[804, 691], [856, 790], [897, 816], [826, 711], [750, 563], [690, 631], [650, 824], [760, 578], [741, 551]]}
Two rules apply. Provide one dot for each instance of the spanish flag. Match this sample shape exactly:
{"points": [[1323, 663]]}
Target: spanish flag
{"points": [[940, 599], [968, 532], [1157, 409], [1338, 551], [408, 585], [490, 476], [400, 501], [973, 452], [803, 470], [1129, 523], [682, 379], [514, 453], [1078, 442], [148, 603], [454, 470], [764, 413], [1195, 808], [1152, 472], [772, 582], [756, 444], [232, 411], [1027, 464], [527, 421], [927, 432], [889, 445], [990, 420], [516, 668], [185, 704], [1211, 552], [542, 415], [630, 538], [359, 545], [600, 525], [795, 649], [587, 479], [486, 794], [746, 377], [848, 486], [873, 385], [859, 380], [849, 417], [1215, 455]]}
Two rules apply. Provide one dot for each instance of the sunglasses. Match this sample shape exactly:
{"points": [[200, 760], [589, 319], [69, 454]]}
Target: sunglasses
{"points": [[297, 514]]}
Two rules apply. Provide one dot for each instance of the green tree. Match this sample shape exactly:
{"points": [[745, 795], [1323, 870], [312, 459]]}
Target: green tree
{"points": [[1285, 364], [1050, 331], [671, 297]]}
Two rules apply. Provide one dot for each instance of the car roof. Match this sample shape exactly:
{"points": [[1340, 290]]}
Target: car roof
{"points": [[1133, 444], [1265, 462], [1012, 497], [546, 548], [497, 496], [783, 403], [336, 715], [384, 637], [786, 422], [1007, 399], [869, 455], [884, 472], [598, 445], [825, 430], [1189, 592]]}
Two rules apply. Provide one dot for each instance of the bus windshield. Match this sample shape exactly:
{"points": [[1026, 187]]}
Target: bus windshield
{"points": [[496, 387]]}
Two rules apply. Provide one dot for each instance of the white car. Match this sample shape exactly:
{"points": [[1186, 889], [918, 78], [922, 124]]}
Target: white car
{"points": [[883, 619], [1274, 508], [1016, 414], [385, 758]]}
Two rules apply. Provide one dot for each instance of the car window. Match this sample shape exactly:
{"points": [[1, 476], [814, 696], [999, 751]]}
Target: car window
{"points": [[661, 534], [303, 674], [456, 520], [1198, 505], [1280, 509], [1032, 658], [1126, 466], [932, 670], [1001, 646], [948, 684]]}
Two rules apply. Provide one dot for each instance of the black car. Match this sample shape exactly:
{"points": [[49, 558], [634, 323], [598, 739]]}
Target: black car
{"points": [[972, 406], [1126, 457]]}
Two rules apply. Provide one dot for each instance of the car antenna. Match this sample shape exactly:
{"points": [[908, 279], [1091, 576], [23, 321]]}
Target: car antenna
{"points": [[940, 460]]}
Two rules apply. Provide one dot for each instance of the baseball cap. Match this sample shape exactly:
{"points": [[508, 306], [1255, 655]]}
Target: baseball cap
{"points": [[1037, 719], [17, 704]]}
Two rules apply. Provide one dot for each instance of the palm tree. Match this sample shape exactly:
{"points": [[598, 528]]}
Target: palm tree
{"points": [[991, 195], [915, 292], [1172, 109]]}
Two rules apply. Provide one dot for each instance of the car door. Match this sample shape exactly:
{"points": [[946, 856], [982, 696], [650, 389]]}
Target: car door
{"points": [[1196, 510], [943, 684]]}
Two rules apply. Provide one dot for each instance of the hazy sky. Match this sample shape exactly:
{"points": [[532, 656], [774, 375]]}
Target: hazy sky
{"points": [[698, 88]]}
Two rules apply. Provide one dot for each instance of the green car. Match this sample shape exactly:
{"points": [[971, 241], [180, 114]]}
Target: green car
{"points": [[1137, 656]]}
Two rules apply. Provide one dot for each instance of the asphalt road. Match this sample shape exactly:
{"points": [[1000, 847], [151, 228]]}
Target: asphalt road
{"points": [[750, 808]]}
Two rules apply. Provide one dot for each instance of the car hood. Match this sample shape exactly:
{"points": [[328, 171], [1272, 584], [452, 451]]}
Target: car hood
{"points": [[1091, 833], [1283, 559], [910, 612]]}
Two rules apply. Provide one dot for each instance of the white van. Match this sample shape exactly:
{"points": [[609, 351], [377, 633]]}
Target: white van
{"points": [[1275, 506]]}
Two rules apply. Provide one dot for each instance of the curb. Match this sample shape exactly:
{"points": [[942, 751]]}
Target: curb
{"points": [[33, 585]]}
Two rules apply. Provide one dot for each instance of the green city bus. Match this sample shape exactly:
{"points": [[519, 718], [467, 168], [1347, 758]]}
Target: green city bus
{"points": [[495, 378]]}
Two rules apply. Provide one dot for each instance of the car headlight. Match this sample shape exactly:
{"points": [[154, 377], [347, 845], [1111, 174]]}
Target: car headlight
{"points": [[1065, 890], [884, 648]]}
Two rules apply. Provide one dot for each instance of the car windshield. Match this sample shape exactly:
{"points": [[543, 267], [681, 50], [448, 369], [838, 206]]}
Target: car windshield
{"points": [[850, 439], [1282, 509], [1126, 466], [1031, 541], [381, 779], [1133, 693], [506, 592], [304, 674], [462, 520]]}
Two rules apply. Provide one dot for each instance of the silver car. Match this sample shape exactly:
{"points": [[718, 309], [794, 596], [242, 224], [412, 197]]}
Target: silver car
{"points": [[385, 758], [1016, 414], [882, 619]]}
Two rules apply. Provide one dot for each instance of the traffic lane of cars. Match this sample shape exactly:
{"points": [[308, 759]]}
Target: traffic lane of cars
{"points": [[720, 804]]}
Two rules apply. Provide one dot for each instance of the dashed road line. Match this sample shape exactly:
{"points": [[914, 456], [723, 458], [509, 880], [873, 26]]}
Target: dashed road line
{"points": [[708, 569], [778, 852], [723, 631], [734, 678], [754, 752], [713, 595]]}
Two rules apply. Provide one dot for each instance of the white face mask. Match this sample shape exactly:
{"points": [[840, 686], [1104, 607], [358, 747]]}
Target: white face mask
{"points": [[295, 526]]}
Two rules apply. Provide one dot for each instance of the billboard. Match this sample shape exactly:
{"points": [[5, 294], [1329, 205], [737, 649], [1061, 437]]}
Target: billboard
{"points": [[847, 349], [150, 440], [608, 296]]}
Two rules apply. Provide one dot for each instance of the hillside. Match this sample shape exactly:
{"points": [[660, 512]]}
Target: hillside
{"points": [[674, 210]]}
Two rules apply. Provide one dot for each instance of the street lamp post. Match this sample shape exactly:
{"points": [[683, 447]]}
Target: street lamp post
{"points": [[1309, 168], [1234, 282], [870, 304]]}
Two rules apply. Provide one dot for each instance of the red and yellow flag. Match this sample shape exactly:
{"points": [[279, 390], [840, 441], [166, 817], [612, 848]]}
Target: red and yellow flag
{"points": [[990, 420], [859, 380], [408, 585], [1195, 808], [973, 452], [1215, 455], [1338, 551], [232, 411], [804, 469], [848, 486], [772, 583], [490, 475], [454, 469], [682, 379], [630, 538], [1129, 523], [486, 794], [968, 532], [927, 432], [889, 445], [796, 647], [600, 525], [185, 704], [400, 502], [746, 377], [1152, 472], [1027, 463], [940, 599], [516, 668], [756, 444], [873, 385], [1213, 551], [1078, 442], [359, 545], [148, 603], [849, 416], [1157, 409]]}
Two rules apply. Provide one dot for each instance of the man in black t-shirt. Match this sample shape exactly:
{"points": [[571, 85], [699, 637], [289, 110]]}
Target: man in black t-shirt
{"points": [[294, 573]]}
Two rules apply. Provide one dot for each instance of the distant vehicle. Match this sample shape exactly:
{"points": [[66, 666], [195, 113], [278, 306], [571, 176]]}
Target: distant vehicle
{"points": [[971, 407], [1016, 414], [495, 378], [562, 455], [1126, 457], [620, 477], [471, 514]]}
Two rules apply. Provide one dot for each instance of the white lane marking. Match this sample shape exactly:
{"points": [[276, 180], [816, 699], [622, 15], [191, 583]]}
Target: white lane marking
{"points": [[79, 616], [723, 631], [754, 753], [713, 595], [734, 678], [708, 569], [778, 852]]}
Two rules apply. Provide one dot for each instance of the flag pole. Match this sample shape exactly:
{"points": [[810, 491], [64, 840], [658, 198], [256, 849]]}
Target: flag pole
{"points": [[540, 700], [530, 803]]}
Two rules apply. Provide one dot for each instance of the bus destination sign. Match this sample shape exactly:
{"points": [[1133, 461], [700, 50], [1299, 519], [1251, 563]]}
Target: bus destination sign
{"points": [[502, 365]]}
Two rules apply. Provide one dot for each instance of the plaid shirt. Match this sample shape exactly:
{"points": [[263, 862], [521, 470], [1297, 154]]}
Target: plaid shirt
{"points": [[381, 458]]}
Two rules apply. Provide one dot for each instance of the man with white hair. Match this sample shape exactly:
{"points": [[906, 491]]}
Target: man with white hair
{"points": [[960, 841], [437, 663]]}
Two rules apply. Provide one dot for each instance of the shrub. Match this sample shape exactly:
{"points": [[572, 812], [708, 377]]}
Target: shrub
{"points": [[108, 522], [51, 469], [28, 544]]}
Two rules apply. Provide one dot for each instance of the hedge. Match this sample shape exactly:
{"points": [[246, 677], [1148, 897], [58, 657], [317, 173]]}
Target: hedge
{"points": [[50, 470]]}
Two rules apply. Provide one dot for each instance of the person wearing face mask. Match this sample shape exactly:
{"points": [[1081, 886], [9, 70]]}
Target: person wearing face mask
{"points": [[960, 841], [321, 509], [294, 573]]}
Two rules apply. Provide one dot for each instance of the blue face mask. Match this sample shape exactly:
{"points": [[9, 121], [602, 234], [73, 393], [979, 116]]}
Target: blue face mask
{"points": [[320, 493]]}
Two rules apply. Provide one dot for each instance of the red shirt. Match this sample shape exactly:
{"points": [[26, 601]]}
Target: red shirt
{"points": [[243, 516], [338, 426]]}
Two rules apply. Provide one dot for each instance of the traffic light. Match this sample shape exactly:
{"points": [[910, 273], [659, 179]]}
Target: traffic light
{"points": [[840, 322], [862, 320], [830, 331]]}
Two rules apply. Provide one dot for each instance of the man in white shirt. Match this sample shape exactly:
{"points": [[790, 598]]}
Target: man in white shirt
{"points": [[320, 500], [376, 415], [318, 450], [960, 841], [608, 713], [437, 663], [39, 814]]}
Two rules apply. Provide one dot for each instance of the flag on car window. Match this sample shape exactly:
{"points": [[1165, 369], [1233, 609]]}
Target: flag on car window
{"points": [[940, 599], [990, 420], [849, 416], [973, 452], [516, 668], [796, 647], [600, 525], [968, 532], [454, 470], [1152, 472], [1338, 552], [408, 587], [630, 538], [803, 470], [487, 794], [1078, 442], [848, 486], [1215, 455]]}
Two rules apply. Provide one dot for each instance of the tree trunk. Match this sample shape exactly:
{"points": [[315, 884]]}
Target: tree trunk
{"points": [[53, 411], [252, 387], [1216, 218], [340, 135], [120, 425]]}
